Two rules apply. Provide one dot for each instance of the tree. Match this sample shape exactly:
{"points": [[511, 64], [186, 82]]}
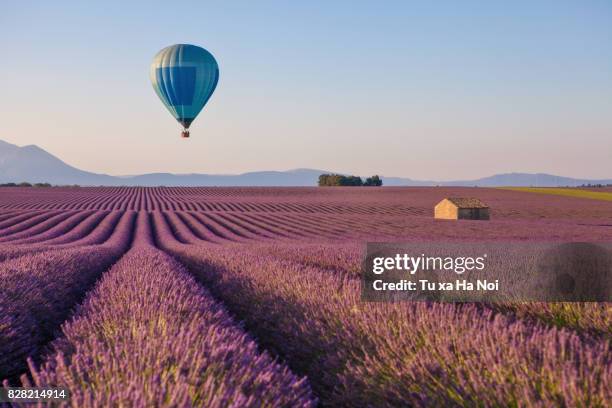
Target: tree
{"points": [[326, 180], [373, 181], [339, 180], [351, 181]]}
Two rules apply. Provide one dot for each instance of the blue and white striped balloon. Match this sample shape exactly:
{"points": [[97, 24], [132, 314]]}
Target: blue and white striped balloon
{"points": [[184, 77]]}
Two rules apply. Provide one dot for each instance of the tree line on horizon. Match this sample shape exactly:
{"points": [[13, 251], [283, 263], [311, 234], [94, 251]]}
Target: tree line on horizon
{"points": [[40, 185], [328, 180], [25, 184], [599, 185]]}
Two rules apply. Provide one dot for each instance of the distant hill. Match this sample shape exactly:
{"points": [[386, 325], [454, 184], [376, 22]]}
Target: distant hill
{"points": [[298, 177], [35, 165], [505, 179]]}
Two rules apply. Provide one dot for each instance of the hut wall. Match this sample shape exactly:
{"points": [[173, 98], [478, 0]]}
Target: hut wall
{"points": [[474, 213], [445, 210]]}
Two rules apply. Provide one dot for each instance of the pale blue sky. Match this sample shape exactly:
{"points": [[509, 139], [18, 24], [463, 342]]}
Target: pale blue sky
{"points": [[428, 90]]}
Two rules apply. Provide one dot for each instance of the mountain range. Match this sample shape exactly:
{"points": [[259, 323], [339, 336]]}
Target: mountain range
{"points": [[35, 165]]}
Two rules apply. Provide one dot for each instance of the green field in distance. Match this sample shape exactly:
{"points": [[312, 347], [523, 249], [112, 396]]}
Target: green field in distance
{"points": [[568, 192]]}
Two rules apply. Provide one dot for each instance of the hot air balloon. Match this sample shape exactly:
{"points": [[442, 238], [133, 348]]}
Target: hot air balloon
{"points": [[184, 77]]}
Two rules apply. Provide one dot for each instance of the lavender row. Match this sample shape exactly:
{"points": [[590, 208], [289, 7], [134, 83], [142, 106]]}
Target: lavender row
{"points": [[422, 354], [37, 292], [48, 230], [149, 335], [406, 211], [338, 257], [345, 258], [93, 231], [10, 219], [31, 222], [65, 230], [100, 232], [589, 317], [584, 317]]}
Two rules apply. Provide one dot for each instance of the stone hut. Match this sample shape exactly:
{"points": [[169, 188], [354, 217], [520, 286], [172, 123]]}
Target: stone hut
{"points": [[461, 208]]}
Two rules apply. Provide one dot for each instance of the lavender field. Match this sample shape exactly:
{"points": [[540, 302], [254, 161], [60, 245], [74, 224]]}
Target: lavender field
{"points": [[249, 297]]}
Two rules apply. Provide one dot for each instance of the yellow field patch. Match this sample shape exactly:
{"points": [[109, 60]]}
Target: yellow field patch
{"points": [[568, 192]]}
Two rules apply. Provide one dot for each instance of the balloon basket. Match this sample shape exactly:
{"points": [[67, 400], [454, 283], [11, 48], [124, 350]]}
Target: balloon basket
{"points": [[185, 134]]}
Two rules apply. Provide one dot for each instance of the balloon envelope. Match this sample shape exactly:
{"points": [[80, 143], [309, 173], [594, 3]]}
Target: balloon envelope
{"points": [[184, 77]]}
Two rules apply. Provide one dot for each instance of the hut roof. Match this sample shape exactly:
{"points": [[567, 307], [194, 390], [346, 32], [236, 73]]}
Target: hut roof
{"points": [[467, 202]]}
